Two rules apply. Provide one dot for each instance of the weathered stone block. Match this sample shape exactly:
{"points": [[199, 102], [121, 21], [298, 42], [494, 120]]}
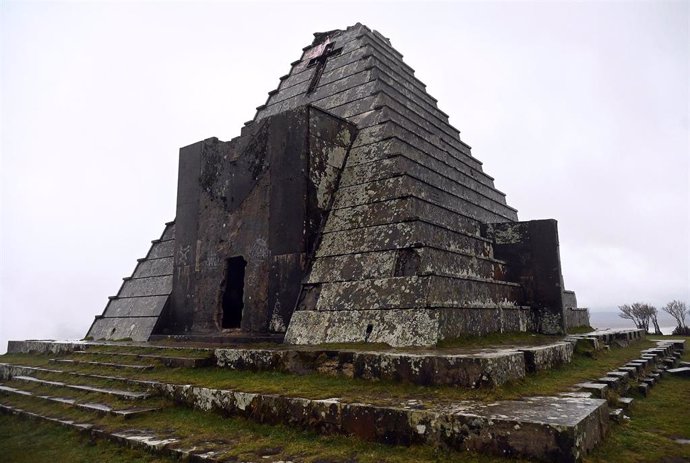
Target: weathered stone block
{"points": [[547, 357]]}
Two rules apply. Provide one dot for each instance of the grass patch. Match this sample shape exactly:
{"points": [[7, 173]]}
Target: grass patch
{"points": [[649, 437], [580, 330], [29, 441], [657, 421], [240, 439]]}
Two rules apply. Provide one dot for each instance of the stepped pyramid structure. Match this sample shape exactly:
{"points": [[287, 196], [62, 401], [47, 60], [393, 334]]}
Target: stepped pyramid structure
{"points": [[348, 210]]}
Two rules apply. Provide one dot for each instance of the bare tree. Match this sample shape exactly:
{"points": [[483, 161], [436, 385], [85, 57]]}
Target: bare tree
{"points": [[678, 310], [652, 316], [640, 314]]}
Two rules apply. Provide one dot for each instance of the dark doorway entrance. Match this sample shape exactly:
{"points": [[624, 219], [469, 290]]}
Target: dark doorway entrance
{"points": [[233, 297]]}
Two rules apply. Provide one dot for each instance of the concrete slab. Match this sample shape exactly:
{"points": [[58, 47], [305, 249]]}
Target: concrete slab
{"points": [[546, 357], [599, 390], [682, 371], [114, 392], [476, 369], [625, 403], [117, 366]]}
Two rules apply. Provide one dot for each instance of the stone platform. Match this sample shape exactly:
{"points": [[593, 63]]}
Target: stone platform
{"points": [[541, 428], [452, 366], [90, 377]]}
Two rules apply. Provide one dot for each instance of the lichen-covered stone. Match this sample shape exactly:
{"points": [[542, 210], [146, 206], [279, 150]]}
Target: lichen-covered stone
{"points": [[546, 357], [480, 369]]}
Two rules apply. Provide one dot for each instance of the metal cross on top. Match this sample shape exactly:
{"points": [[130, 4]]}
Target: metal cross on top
{"points": [[320, 63]]}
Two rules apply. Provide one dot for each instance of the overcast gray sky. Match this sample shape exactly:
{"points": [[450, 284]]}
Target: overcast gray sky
{"points": [[579, 110]]}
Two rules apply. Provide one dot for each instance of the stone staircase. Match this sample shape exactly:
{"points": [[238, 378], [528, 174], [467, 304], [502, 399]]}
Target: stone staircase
{"points": [[114, 392], [134, 312]]}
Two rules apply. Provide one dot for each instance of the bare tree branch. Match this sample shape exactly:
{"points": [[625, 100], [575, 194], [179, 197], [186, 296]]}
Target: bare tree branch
{"points": [[678, 310]]}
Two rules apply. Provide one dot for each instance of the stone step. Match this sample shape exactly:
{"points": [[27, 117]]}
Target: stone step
{"points": [[649, 381], [644, 364], [541, 428], [614, 383], [133, 395], [617, 415], [88, 406], [630, 371], [430, 291], [599, 390], [546, 357], [134, 438], [485, 368], [8, 371], [608, 336], [643, 388], [623, 375], [118, 366], [235, 338], [625, 403], [586, 343], [10, 410], [670, 362], [676, 344], [538, 428], [638, 367], [168, 361], [577, 395], [681, 371], [382, 264]]}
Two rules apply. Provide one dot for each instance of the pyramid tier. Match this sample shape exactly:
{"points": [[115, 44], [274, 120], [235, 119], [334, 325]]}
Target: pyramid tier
{"points": [[411, 292], [418, 261], [405, 209], [405, 185], [134, 312], [403, 327], [401, 235]]}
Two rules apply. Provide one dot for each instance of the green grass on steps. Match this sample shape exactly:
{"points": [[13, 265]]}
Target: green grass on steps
{"points": [[28, 441], [243, 440], [585, 366], [116, 403], [657, 421], [649, 437]]}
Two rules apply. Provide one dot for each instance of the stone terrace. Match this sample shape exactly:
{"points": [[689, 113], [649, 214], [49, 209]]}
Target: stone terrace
{"points": [[131, 380]]}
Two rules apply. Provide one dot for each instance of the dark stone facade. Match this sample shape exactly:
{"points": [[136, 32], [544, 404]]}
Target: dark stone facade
{"points": [[260, 199], [531, 252]]}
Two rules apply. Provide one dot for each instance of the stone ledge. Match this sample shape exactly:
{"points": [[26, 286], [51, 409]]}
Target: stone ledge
{"points": [[491, 368], [132, 438], [559, 429], [45, 347], [546, 357], [539, 428]]}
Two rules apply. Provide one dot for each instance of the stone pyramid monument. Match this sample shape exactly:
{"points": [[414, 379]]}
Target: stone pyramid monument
{"points": [[348, 210]]}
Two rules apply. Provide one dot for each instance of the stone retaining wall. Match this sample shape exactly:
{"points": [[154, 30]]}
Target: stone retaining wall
{"points": [[481, 369]]}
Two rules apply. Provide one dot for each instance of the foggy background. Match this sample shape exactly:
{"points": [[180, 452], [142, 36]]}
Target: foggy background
{"points": [[579, 110]]}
